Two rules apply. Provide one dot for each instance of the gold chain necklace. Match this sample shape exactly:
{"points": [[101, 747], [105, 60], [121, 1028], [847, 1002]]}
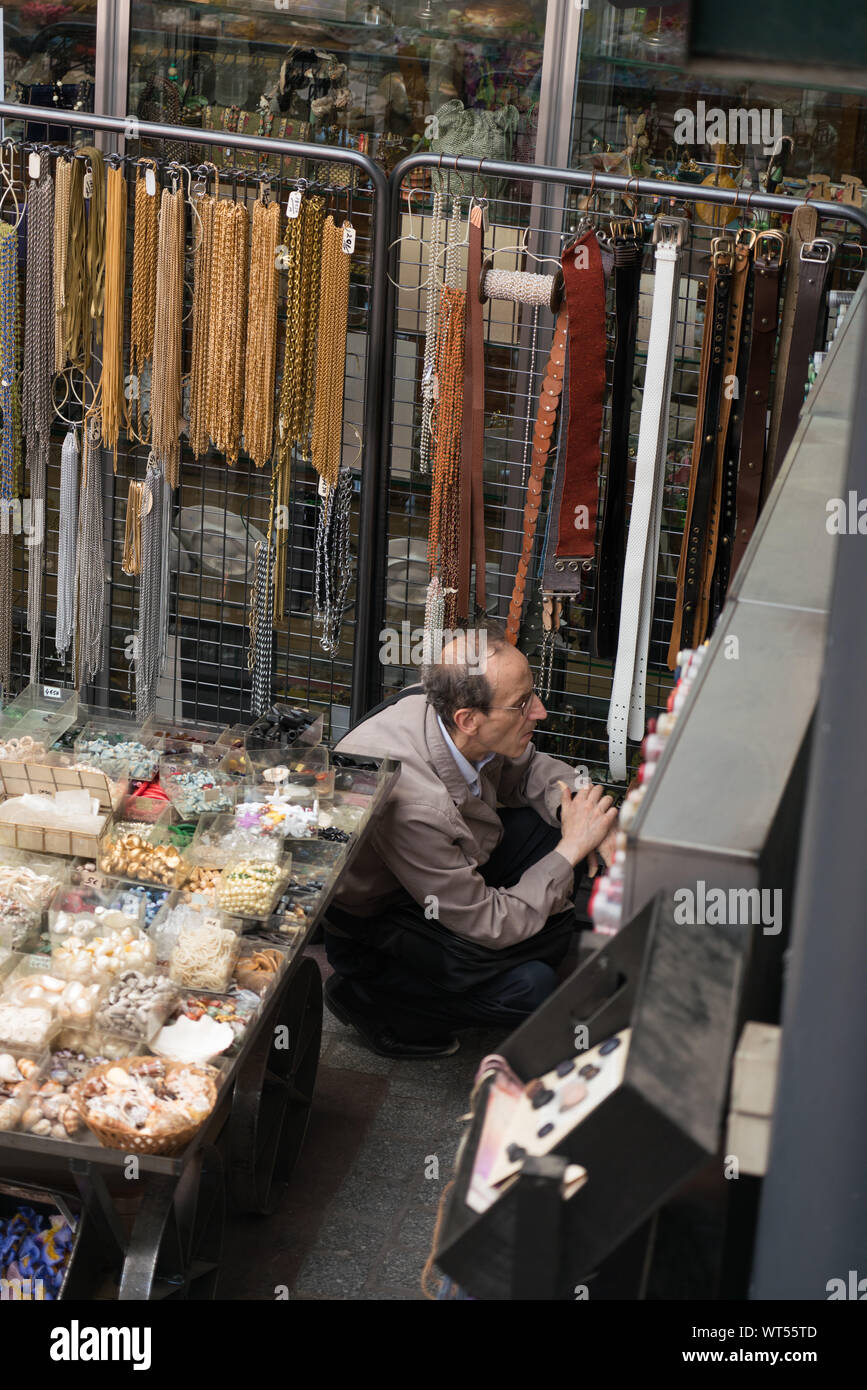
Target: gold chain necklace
{"points": [[262, 334], [113, 401], [144, 288], [228, 315], [331, 354], [200, 366], [166, 397]]}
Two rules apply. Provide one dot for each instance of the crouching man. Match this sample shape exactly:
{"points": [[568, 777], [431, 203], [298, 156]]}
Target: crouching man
{"points": [[458, 910]]}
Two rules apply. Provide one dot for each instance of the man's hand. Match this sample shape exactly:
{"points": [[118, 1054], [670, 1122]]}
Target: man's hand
{"points": [[586, 820]]}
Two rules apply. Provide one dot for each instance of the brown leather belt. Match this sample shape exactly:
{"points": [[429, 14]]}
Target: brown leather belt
{"points": [[739, 250], [628, 244], [813, 271], [585, 302], [768, 255], [802, 228], [705, 448], [472, 508], [543, 434]]}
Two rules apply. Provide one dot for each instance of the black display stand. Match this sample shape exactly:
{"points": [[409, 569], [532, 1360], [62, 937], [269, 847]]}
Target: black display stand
{"points": [[681, 990]]}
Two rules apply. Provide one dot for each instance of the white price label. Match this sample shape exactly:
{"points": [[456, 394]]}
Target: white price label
{"points": [[34, 164], [88, 185], [348, 238], [52, 692], [323, 488], [150, 182], [197, 748], [293, 204]]}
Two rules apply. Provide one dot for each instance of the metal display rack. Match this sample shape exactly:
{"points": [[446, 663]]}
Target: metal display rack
{"points": [[208, 678], [543, 200], [246, 1150]]}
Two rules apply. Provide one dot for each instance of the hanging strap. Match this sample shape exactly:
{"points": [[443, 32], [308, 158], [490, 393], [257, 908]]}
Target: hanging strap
{"points": [[702, 476], [628, 255], [546, 419], [802, 228], [814, 269], [585, 303], [740, 269], [767, 261], [626, 712], [472, 501]]}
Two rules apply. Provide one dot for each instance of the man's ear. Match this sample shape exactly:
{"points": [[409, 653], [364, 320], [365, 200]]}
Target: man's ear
{"points": [[467, 721]]}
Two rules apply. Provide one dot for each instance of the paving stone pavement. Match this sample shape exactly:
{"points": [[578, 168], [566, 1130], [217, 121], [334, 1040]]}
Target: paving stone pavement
{"points": [[358, 1220]]}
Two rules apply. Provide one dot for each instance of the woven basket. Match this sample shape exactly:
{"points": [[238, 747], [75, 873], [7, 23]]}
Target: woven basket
{"points": [[119, 1136]]}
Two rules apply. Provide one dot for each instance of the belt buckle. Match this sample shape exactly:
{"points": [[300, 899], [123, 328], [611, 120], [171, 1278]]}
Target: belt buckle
{"points": [[747, 236], [671, 231], [776, 239], [821, 244], [720, 247]]}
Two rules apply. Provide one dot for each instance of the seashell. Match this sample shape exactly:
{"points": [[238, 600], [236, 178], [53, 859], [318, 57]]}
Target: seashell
{"points": [[27, 1068], [8, 1069], [117, 1077], [50, 1088], [41, 1127], [30, 1117]]}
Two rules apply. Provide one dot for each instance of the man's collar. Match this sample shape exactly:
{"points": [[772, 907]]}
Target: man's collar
{"points": [[468, 770]]}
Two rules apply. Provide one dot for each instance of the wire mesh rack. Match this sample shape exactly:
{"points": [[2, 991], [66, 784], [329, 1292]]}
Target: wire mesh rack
{"points": [[527, 205], [218, 513]]}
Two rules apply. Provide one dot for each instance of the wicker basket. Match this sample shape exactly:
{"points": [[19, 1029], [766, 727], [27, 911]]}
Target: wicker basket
{"points": [[120, 1136]]}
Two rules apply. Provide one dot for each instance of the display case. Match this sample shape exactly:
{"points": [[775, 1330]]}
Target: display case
{"points": [[379, 78]]}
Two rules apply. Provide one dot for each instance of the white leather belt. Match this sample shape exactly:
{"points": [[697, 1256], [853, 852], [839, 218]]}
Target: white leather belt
{"points": [[626, 712]]}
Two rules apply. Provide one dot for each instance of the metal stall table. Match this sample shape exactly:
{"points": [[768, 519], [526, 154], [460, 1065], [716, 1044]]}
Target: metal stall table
{"points": [[166, 1243]]}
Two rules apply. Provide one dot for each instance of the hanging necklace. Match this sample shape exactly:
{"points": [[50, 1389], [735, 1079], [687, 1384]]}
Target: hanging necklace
{"points": [[62, 177], [64, 628], [166, 397], [11, 432], [131, 563], [112, 397], [301, 253], [227, 325], [261, 651], [90, 565], [331, 353], [38, 376], [261, 359], [200, 374], [333, 561], [429, 380], [144, 284], [151, 608]]}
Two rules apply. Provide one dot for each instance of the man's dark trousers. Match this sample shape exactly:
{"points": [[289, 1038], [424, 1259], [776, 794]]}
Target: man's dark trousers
{"points": [[454, 983]]}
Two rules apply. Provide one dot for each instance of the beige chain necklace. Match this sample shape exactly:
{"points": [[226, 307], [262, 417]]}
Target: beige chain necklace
{"points": [[331, 354], [262, 334]]}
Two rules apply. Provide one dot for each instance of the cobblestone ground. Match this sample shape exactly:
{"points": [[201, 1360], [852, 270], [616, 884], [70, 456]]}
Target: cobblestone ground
{"points": [[358, 1220]]}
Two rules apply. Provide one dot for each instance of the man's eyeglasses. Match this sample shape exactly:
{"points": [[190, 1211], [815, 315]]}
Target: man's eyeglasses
{"points": [[522, 708]]}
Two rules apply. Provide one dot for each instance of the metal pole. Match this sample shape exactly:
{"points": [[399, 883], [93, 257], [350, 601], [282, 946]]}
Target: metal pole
{"points": [[813, 1218], [373, 473], [653, 188]]}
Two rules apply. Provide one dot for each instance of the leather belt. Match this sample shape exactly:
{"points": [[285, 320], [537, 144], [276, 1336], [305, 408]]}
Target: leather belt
{"points": [[560, 576], [731, 452], [768, 255], [740, 258], [814, 268], [803, 227], [702, 478], [585, 303], [628, 255], [472, 500], [626, 712], [543, 433]]}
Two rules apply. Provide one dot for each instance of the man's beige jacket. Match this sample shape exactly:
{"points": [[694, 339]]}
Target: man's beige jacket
{"points": [[433, 833]]}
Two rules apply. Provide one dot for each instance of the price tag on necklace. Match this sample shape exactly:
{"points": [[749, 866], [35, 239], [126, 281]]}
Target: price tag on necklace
{"points": [[293, 204], [150, 182], [87, 191], [323, 488], [34, 164], [348, 238]]}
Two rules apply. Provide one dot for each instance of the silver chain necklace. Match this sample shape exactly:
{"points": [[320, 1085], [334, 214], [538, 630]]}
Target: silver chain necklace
{"points": [[333, 567], [64, 628], [90, 564], [37, 404], [150, 611]]}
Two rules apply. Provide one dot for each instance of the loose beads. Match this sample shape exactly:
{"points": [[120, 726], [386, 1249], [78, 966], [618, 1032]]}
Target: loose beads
{"points": [[247, 888]]}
